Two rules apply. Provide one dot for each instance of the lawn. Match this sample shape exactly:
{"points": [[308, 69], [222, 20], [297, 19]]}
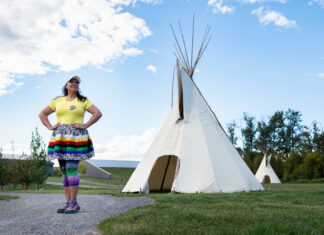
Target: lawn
{"points": [[281, 209], [119, 177], [290, 208]]}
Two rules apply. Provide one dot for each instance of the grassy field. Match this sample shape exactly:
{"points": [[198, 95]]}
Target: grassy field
{"points": [[120, 176], [290, 208], [281, 209]]}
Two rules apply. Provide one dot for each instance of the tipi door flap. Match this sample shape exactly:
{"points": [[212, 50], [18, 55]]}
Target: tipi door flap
{"points": [[163, 173]]}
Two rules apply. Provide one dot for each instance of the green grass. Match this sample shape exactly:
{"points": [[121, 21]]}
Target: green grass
{"points": [[58, 179], [284, 209], [288, 208], [7, 197], [306, 181], [119, 175]]}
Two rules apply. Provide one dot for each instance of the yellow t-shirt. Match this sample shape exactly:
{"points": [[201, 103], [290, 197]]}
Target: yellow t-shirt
{"points": [[69, 112]]}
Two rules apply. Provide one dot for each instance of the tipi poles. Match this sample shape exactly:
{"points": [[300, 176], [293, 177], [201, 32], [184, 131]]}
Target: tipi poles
{"points": [[182, 54]]}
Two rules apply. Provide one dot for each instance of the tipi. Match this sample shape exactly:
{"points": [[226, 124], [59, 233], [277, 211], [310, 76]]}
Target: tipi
{"points": [[265, 170], [191, 152]]}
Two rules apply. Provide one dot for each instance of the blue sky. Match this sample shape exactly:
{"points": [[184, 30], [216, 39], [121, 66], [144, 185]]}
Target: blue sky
{"points": [[264, 56]]}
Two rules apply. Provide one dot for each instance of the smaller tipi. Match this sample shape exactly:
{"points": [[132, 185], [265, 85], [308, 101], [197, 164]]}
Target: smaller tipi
{"points": [[265, 171]]}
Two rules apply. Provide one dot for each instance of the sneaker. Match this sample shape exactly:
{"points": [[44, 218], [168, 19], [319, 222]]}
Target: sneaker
{"points": [[63, 208], [72, 208]]}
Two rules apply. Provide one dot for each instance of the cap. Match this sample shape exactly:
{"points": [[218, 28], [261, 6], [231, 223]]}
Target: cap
{"points": [[74, 77]]}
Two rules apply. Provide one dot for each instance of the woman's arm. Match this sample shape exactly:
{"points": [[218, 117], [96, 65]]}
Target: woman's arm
{"points": [[96, 114], [43, 117]]}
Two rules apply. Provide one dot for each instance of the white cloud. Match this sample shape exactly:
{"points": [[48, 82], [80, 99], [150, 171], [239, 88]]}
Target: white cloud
{"points": [[40, 36], [262, 1], [320, 75], [268, 16], [154, 50], [122, 147], [151, 68], [219, 7], [319, 2], [7, 83], [15, 149]]}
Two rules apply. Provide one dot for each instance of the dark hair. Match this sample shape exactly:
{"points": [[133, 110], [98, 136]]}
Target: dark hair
{"points": [[80, 97]]}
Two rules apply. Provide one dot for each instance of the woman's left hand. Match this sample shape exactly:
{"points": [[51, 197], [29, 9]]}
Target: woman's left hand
{"points": [[79, 126]]}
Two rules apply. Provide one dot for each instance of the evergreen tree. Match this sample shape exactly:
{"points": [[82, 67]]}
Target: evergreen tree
{"points": [[318, 138], [248, 133], [3, 170], [38, 157]]}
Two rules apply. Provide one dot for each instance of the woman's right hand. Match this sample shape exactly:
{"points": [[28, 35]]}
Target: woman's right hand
{"points": [[55, 126]]}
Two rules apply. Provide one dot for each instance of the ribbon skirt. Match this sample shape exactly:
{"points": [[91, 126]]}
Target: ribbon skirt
{"points": [[69, 143]]}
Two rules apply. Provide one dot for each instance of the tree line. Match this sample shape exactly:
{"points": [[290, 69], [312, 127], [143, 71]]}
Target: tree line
{"points": [[297, 149], [32, 170]]}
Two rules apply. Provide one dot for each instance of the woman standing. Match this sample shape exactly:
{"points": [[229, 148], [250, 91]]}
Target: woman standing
{"points": [[70, 141]]}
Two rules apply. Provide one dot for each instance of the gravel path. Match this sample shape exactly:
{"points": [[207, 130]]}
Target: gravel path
{"points": [[36, 213]]}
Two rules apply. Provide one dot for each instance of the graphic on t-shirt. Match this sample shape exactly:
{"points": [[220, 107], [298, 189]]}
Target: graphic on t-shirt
{"points": [[72, 107]]}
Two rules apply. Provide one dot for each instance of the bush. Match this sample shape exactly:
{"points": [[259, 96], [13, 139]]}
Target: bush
{"points": [[312, 166], [82, 169], [57, 171]]}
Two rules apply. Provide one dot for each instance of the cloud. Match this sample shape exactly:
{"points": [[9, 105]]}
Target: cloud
{"points": [[7, 83], [219, 8], [123, 147], [41, 36], [319, 2], [151, 68], [15, 149], [320, 75], [154, 50], [268, 16], [262, 1]]}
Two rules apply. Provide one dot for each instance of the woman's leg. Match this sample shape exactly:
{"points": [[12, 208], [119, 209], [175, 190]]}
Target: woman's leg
{"points": [[73, 178], [65, 182]]}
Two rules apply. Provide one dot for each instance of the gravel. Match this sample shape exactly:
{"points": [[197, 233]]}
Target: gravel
{"points": [[36, 213]]}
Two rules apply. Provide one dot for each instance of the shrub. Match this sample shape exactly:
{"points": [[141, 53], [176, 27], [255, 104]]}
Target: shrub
{"points": [[82, 169], [57, 171]]}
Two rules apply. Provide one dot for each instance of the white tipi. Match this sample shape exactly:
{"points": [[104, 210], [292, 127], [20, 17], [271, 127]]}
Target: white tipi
{"points": [[191, 152], [265, 170]]}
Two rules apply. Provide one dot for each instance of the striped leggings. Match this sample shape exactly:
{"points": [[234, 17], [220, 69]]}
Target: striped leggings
{"points": [[69, 169]]}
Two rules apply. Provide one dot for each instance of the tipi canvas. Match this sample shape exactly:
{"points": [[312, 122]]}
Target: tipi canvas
{"points": [[265, 170], [191, 153]]}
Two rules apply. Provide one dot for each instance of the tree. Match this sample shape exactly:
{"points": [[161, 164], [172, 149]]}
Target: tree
{"points": [[231, 132], [294, 130], [263, 142], [318, 138], [38, 157], [292, 164], [312, 166], [277, 131], [25, 169], [3, 170], [248, 133]]}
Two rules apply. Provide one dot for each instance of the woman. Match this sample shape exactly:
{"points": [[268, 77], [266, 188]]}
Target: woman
{"points": [[70, 141]]}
